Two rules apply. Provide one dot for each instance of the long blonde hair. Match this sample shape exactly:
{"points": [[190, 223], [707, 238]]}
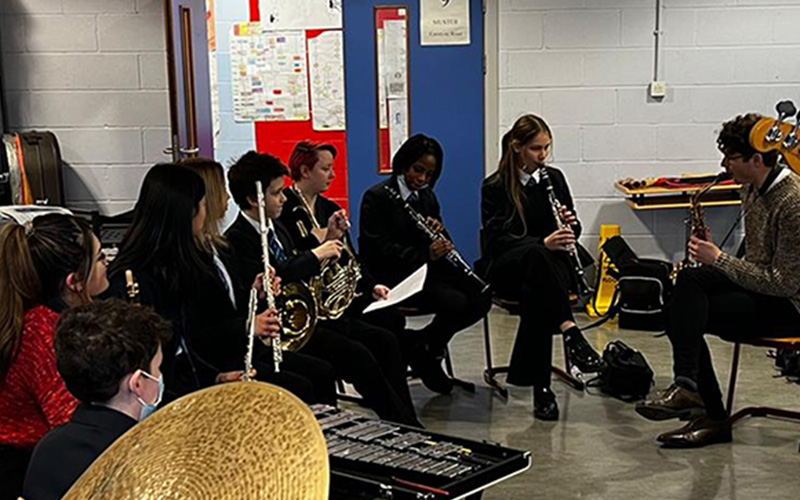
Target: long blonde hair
{"points": [[525, 129], [214, 179], [35, 261]]}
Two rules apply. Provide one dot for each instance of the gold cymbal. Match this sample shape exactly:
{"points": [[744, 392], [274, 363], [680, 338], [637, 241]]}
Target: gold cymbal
{"points": [[242, 440]]}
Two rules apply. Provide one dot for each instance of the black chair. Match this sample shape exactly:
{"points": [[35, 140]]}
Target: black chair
{"points": [[490, 373]]}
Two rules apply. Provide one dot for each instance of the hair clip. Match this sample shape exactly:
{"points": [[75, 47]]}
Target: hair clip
{"points": [[28, 226]]}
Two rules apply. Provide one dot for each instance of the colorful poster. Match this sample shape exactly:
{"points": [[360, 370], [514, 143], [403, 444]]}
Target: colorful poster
{"points": [[301, 14], [326, 72], [269, 74], [444, 22]]}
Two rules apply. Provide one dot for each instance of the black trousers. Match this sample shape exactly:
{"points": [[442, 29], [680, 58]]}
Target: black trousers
{"points": [[454, 300], [537, 277], [13, 462], [389, 319], [368, 357], [706, 301], [310, 378]]}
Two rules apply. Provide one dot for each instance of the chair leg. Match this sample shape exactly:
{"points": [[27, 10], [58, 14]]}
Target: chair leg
{"points": [[750, 411], [489, 374], [342, 395], [448, 365], [737, 347]]}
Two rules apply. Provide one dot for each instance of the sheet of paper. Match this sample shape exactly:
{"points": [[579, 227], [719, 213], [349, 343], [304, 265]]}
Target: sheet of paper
{"points": [[398, 124], [394, 60], [326, 71], [301, 14], [405, 289]]}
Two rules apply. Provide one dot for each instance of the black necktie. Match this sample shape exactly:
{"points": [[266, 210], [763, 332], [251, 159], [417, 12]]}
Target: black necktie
{"points": [[275, 246]]}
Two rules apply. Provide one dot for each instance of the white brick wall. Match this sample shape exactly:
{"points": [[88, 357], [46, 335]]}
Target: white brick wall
{"points": [[93, 72], [584, 65]]}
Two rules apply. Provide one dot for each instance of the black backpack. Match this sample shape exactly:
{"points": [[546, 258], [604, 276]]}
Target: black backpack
{"points": [[644, 287], [626, 374]]}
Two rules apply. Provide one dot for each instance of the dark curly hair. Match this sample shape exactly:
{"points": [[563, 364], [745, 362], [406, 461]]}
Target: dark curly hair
{"points": [[734, 138], [248, 169], [98, 344]]}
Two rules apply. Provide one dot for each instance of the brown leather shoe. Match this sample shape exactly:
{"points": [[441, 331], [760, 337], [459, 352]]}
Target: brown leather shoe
{"points": [[701, 431], [675, 402]]}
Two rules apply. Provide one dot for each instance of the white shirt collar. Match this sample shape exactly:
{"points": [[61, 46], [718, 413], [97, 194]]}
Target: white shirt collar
{"points": [[256, 225], [405, 192], [524, 176]]}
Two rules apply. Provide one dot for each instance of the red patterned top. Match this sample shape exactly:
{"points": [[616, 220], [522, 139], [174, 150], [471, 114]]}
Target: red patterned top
{"points": [[33, 398]]}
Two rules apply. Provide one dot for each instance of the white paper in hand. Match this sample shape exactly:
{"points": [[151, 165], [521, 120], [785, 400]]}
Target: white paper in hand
{"points": [[402, 291]]}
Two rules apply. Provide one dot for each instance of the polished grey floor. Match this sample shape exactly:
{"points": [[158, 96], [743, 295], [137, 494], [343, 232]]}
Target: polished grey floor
{"points": [[600, 448]]}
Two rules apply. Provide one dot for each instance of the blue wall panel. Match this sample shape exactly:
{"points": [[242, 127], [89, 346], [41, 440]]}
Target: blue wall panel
{"points": [[447, 103]]}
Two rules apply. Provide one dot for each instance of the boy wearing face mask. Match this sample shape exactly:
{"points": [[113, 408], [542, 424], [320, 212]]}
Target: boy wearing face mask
{"points": [[109, 355]]}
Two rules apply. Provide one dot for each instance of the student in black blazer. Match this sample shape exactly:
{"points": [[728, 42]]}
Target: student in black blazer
{"points": [[312, 219], [526, 257], [366, 355], [109, 355], [393, 247], [195, 288]]}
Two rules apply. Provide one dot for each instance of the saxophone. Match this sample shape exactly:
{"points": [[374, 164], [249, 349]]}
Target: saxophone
{"points": [[335, 286], [696, 223]]}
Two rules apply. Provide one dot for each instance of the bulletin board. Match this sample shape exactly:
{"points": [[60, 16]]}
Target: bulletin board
{"points": [[278, 137]]}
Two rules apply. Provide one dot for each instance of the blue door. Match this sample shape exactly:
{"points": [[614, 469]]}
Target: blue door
{"points": [[447, 102]]}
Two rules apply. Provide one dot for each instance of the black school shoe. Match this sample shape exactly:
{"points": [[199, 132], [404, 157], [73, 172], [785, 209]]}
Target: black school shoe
{"points": [[429, 369], [583, 355], [545, 406]]}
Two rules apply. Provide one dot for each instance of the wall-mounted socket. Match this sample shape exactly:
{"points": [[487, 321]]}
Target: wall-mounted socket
{"points": [[658, 89]]}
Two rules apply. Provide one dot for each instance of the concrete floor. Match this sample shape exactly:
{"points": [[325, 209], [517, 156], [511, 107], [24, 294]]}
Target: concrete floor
{"points": [[600, 448]]}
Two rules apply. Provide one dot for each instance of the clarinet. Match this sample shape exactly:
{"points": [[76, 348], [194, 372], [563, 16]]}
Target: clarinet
{"points": [[453, 257], [277, 353], [556, 206]]}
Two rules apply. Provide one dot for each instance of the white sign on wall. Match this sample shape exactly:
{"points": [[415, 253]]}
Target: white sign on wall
{"points": [[444, 22], [326, 71], [300, 14]]}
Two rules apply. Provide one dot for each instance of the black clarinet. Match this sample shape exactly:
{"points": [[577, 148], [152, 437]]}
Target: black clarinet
{"points": [[453, 257], [562, 224]]}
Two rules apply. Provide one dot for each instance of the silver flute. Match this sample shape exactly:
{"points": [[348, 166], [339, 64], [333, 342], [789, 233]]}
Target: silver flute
{"points": [[275, 344], [557, 207], [251, 334], [453, 257]]}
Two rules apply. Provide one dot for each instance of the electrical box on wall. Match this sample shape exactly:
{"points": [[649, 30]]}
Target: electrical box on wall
{"points": [[658, 89]]}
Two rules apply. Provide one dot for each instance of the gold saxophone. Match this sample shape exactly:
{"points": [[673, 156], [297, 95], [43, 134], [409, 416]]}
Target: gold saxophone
{"points": [[697, 224], [335, 286]]}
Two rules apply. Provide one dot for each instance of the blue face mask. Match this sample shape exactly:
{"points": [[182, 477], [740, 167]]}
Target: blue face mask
{"points": [[148, 409]]}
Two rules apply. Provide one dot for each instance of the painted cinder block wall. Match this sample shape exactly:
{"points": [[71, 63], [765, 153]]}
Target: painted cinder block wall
{"points": [[585, 66]]}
